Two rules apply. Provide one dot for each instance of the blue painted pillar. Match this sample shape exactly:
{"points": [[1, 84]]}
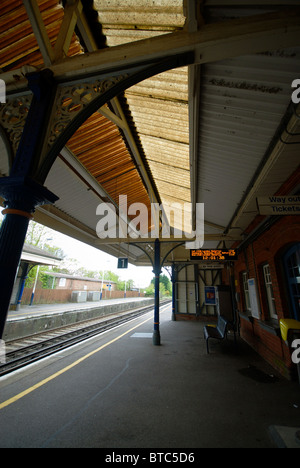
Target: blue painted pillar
{"points": [[21, 193], [13, 233], [22, 286], [12, 236], [157, 272], [174, 280]]}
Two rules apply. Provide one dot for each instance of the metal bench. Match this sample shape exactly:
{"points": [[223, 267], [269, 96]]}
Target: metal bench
{"points": [[219, 331]]}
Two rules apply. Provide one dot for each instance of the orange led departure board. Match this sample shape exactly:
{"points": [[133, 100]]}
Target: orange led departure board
{"points": [[214, 254]]}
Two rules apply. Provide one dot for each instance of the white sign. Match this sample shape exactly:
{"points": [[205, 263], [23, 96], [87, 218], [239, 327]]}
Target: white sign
{"points": [[254, 301], [279, 205], [210, 266]]}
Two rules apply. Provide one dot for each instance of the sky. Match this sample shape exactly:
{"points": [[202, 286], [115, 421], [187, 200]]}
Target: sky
{"points": [[93, 259]]}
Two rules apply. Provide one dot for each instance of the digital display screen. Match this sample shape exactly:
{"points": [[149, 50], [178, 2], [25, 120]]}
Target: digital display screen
{"points": [[214, 254]]}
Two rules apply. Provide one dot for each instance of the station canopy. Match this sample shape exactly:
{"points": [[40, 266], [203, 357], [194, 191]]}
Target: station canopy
{"points": [[205, 115]]}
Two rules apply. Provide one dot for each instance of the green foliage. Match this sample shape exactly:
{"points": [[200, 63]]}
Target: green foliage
{"points": [[44, 281], [38, 236], [165, 286], [150, 291]]}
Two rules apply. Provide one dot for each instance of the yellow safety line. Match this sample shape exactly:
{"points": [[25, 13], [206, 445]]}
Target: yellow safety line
{"points": [[62, 371]]}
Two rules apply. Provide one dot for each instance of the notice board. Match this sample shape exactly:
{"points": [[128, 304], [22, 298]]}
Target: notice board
{"points": [[211, 295]]}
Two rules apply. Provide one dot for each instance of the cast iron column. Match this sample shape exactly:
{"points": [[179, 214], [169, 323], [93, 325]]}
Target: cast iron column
{"points": [[19, 208], [157, 272], [21, 193], [22, 285], [174, 280]]}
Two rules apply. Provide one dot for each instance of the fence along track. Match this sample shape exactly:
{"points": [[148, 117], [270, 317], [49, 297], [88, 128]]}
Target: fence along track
{"points": [[65, 337]]}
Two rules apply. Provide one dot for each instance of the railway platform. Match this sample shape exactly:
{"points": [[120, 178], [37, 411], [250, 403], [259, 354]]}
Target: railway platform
{"points": [[30, 320], [118, 391], [42, 309]]}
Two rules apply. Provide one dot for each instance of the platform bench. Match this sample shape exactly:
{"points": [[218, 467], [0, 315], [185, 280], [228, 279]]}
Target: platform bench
{"points": [[219, 332]]}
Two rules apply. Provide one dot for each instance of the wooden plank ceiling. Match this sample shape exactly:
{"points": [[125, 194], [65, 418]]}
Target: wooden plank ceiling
{"points": [[18, 44], [99, 144], [217, 121]]}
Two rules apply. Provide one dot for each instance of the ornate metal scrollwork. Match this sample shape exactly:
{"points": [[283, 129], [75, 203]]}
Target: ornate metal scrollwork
{"points": [[70, 100], [13, 116], [73, 99]]}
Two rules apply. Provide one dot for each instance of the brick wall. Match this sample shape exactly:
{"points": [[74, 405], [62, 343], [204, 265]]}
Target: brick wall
{"points": [[47, 296], [268, 248], [82, 285], [53, 296]]}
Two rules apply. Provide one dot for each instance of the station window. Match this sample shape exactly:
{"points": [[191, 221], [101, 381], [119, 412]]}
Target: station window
{"points": [[62, 282], [246, 291], [269, 291]]}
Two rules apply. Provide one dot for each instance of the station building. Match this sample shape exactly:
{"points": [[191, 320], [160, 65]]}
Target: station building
{"points": [[117, 116], [270, 256], [31, 257]]}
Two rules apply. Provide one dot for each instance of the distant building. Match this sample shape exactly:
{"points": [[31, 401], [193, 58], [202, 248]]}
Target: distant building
{"points": [[79, 283], [31, 256]]}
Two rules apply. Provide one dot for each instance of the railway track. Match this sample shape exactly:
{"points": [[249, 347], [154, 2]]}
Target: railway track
{"points": [[20, 353]]}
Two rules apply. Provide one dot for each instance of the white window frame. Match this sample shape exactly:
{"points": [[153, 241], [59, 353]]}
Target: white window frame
{"points": [[269, 291], [246, 291], [62, 282]]}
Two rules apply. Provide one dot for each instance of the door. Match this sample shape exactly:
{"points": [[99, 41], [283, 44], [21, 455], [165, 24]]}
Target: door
{"points": [[186, 291]]}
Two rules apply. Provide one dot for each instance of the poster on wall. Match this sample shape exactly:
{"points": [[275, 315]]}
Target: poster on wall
{"points": [[253, 296], [210, 293]]}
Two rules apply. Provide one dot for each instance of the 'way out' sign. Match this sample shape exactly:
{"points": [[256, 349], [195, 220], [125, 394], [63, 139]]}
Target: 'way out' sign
{"points": [[279, 205]]}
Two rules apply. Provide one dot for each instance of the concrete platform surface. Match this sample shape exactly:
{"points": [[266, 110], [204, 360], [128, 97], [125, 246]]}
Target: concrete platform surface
{"points": [[45, 309], [37, 319], [119, 391]]}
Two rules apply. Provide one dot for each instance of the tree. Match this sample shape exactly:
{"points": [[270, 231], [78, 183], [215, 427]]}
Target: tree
{"points": [[43, 279], [110, 276], [121, 285], [150, 291], [37, 236], [165, 286]]}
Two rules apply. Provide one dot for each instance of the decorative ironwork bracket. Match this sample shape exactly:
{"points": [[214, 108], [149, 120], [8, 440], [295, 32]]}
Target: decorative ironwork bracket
{"points": [[73, 104], [13, 116]]}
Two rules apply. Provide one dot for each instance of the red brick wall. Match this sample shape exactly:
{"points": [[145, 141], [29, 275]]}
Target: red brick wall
{"points": [[81, 285], [53, 296], [47, 296], [268, 248]]}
